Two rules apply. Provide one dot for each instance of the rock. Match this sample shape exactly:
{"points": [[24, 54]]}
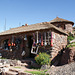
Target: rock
{"points": [[19, 62], [0, 70], [72, 41], [0, 64], [7, 65], [5, 69], [68, 69], [11, 73], [24, 73], [24, 64], [43, 67], [35, 65], [52, 66], [11, 64]]}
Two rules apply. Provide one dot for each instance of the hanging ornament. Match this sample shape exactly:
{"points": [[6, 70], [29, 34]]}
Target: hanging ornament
{"points": [[41, 40], [33, 39], [9, 44], [45, 39], [12, 39], [51, 40], [25, 38], [12, 44], [37, 37]]}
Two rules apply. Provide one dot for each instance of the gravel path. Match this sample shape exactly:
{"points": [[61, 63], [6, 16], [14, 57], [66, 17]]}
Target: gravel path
{"points": [[68, 69]]}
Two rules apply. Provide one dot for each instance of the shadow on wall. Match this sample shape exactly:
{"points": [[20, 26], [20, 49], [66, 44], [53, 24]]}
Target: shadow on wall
{"points": [[65, 56]]}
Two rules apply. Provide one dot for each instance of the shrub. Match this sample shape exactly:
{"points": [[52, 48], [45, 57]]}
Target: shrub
{"points": [[70, 37], [71, 45], [43, 59]]}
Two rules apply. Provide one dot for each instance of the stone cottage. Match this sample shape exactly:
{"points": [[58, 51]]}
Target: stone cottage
{"points": [[63, 24], [29, 40]]}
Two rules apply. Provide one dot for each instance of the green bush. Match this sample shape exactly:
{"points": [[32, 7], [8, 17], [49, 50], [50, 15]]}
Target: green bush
{"points": [[71, 45], [43, 59], [70, 37]]}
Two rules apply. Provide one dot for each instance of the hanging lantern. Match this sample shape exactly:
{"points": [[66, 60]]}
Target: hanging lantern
{"points": [[25, 38], [41, 40]]}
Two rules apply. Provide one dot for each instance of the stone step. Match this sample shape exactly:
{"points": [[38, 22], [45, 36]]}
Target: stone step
{"points": [[26, 61], [10, 73], [15, 73], [14, 70], [24, 73], [20, 72]]}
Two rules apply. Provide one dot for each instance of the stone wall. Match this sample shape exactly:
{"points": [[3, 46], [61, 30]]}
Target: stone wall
{"points": [[59, 42], [15, 53], [59, 25], [69, 28], [65, 26]]}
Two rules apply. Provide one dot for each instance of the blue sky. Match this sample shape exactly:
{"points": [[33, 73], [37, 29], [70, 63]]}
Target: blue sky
{"points": [[19, 12]]}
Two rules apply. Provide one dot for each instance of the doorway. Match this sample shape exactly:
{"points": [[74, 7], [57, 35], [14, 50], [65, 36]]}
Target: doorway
{"points": [[30, 43]]}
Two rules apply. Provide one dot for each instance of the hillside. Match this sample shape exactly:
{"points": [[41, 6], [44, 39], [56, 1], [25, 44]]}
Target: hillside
{"points": [[68, 69]]}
